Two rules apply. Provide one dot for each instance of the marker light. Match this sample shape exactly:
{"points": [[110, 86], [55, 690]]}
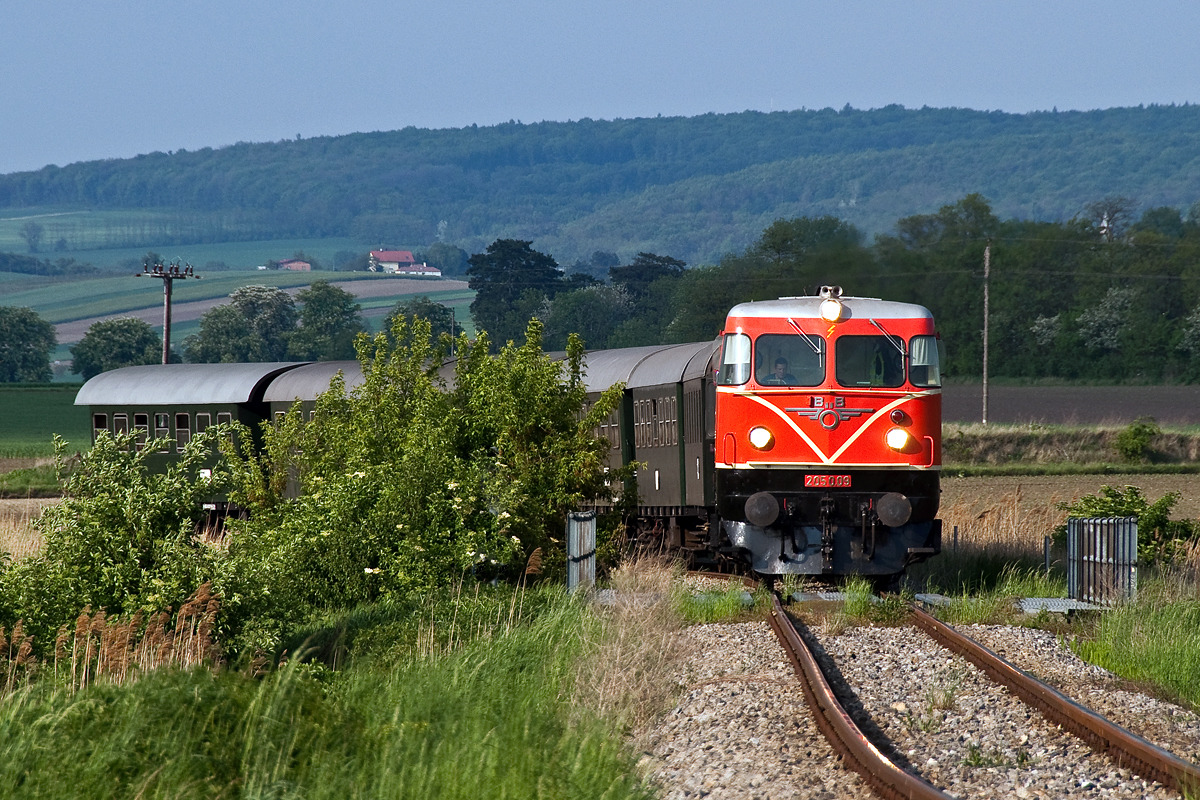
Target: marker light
{"points": [[761, 438], [897, 438]]}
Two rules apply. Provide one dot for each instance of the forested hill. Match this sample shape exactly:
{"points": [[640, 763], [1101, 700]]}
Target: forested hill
{"points": [[691, 187]]}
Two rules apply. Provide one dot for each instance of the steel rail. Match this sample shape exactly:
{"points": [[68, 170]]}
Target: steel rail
{"points": [[1125, 748], [885, 778]]}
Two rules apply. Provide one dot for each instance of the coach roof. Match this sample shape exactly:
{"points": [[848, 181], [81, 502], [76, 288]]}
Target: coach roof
{"points": [[181, 384], [308, 381]]}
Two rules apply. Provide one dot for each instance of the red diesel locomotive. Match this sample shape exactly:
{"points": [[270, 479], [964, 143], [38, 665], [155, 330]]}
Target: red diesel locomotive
{"points": [[828, 435]]}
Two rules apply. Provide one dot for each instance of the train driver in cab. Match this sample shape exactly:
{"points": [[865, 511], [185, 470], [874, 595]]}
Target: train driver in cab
{"points": [[781, 376]]}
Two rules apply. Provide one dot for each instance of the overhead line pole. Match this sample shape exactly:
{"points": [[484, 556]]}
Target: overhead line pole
{"points": [[987, 264], [168, 275]]}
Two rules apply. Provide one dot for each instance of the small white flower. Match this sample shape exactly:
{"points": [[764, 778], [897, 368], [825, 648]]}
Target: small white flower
{"points": [[369, 571], [504, 515], [516, 540], [360, 474]]}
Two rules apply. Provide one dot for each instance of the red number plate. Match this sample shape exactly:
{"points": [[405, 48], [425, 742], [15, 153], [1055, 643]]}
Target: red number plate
{"points": [[826, 481]]}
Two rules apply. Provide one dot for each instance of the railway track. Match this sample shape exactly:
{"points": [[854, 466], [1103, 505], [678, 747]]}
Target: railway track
{"points": [[891, 781]]}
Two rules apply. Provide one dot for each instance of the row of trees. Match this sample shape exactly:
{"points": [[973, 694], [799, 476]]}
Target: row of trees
{"points": [[1108, 296]]}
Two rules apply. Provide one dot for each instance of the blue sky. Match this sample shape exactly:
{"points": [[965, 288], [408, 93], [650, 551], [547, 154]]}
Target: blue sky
{"points": [[83, 80]]}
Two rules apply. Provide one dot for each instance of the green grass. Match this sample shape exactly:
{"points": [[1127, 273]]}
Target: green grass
{"points": [[31, 415], [714, 606], [33, 482], [492, 718], [985, 598], [1155, 639]]}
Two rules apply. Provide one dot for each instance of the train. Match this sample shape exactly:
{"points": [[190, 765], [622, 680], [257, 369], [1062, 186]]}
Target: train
{"points": [[804, 440]]}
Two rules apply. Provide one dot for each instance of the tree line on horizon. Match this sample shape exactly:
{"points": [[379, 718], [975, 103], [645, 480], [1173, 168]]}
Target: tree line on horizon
{"points": [[694, 187]]}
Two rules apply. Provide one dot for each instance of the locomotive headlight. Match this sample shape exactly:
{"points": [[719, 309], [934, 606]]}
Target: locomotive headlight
{"points": [[897, 438], [831, 309], [761, 438]]}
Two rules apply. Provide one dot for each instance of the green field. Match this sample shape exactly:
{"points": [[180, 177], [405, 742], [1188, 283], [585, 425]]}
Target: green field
{"points": [[80, 298], [89, 236], [31, 415]]}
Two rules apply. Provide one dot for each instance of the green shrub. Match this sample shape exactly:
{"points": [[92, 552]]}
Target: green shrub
{"points": [[406, 485], [1160, 538], [1133, 442], [124, 538]]}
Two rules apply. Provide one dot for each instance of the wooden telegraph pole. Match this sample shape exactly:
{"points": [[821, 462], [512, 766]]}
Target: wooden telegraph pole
{"points": [[987, 263], [168, 275]]}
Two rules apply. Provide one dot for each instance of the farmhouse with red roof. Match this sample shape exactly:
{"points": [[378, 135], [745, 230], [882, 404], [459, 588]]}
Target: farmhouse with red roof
{"points": [[400, 262]]}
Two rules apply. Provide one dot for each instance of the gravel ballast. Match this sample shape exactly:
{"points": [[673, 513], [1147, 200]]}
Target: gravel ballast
{"points": [[741, 728]]}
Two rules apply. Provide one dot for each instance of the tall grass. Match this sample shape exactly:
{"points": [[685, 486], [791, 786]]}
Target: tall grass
{"points": [[18, 537], [1007, 535], [509, 711], [1155, 638]]}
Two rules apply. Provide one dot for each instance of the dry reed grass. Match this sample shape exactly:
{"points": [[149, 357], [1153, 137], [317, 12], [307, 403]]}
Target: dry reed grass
{"points": [[1008, 526], [18, 537], [631, 672], [115, 649]]}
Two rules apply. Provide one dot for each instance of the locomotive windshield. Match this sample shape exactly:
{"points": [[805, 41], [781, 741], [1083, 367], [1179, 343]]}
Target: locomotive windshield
{"points": [[924, 364], [735, 360], [869, 361], [789, 359]]}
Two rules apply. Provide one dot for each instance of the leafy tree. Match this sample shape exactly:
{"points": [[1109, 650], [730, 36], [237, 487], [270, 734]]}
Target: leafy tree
{"points": [[593, 313], [32, 233], [113, 343], [510, 280], [597, 266], [645, 269], [440, 318], [406, 484], [330, 318], [26, 342], [254, 326], [1164, 221], [449, 259]]}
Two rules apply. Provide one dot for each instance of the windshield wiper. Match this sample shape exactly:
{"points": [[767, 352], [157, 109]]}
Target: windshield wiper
{"points": [[816, 347], [897, 342]]}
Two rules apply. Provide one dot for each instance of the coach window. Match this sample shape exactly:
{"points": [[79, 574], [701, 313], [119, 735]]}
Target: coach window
{"points": [[735, 360], [224, 417], [924, 363], [789, 359], [869, 361], [183, 431], [202, 422], [120, 423], [162, 430], [141, 425], [99, 423]]}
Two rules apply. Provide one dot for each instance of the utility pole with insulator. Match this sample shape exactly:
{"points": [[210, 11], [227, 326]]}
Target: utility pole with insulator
{"points": [[987, 264], [168, 273]]}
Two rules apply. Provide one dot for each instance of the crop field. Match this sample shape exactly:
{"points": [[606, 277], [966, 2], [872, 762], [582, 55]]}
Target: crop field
{"points": [[74, 304], [1073, 405], [30, 416], [115, 239]]}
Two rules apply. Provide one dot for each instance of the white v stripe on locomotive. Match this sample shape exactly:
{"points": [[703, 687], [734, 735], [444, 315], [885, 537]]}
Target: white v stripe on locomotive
{"points": [[791, 423], [782, 414]]}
